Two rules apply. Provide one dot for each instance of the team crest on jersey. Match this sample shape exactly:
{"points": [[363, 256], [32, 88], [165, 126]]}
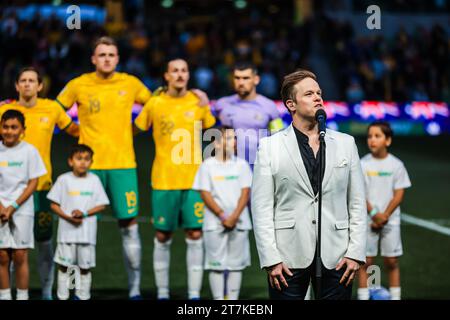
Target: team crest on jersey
{"points": [[43, 119], [258, 117], [189, 114], [122, 92]]}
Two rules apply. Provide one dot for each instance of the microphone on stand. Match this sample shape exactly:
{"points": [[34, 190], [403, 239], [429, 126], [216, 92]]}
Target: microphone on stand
{"points": [[321, 118]]}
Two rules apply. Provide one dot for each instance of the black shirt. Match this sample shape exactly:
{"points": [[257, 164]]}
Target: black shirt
{"points": [[309, 160]]}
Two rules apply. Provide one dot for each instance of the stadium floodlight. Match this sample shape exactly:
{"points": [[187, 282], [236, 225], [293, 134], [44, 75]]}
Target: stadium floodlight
{"points": [[167, 3], [240, 4]]}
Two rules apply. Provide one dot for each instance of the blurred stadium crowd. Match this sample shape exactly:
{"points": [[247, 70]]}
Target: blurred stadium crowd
{"points": [[402, 67]]}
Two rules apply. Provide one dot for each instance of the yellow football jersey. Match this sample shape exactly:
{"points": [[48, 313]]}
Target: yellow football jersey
{"points": [[177, 125], [40, 121], [104, 111]]}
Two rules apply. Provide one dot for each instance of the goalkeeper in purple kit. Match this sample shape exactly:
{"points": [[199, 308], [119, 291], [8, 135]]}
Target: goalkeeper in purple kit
{"points": [[252, 115]]}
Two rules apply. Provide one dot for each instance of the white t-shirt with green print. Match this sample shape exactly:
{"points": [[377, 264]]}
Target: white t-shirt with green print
{"points": [[18, 165], [78, 193], [382, 177], [225, 181]]}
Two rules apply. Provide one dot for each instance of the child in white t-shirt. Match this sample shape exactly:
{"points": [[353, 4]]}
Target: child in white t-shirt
{"points": [[20, 168], [76, 198], [386, 180], [224, 182]]}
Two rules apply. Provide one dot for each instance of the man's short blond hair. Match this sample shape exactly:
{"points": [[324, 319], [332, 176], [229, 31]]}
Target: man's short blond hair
{"points": [[104, 40], [288, 91]]}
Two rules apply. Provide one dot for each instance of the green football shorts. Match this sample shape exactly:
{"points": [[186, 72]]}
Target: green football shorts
{"points": [[121, 186], [173, 208], [43, 217]]}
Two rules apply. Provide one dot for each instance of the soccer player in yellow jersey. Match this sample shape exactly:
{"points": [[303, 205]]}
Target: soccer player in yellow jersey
{"points": [[105, 99], [41, 117], [177, 121]]}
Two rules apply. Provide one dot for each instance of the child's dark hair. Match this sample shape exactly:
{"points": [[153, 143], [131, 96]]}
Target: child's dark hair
{"points": [[14, 114], [80, 148], [223, 129], [384, 126]]}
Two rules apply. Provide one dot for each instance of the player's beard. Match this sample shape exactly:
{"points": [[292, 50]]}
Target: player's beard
{"points": [[243, 94]]}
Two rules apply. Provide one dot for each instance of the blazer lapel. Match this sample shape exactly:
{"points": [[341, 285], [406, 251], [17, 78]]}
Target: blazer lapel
{"points": [[291, 144], [330, 151]]}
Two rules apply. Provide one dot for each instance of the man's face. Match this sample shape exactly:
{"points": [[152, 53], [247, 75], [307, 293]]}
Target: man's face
{"points": [[245, 82], [177, 74], [105, 58], [28, 85], [308, 99]]}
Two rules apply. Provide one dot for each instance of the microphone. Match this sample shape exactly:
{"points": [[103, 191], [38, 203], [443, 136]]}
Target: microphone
{"points": [[321, 118]]}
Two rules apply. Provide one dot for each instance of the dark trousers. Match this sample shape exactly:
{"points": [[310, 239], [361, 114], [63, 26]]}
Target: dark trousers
{"points": [[298, 285]]}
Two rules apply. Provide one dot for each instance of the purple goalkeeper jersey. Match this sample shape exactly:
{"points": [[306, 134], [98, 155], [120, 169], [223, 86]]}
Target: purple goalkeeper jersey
{"points": [[250, 119]]}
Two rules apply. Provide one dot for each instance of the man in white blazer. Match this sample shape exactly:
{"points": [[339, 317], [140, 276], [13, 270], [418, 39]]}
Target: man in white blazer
{"points": [[285, 201]]}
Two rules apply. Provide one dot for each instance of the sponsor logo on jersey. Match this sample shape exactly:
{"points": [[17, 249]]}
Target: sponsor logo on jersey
{"points": [[11, 163], [80, 193], [379, 173], [225, 178]]}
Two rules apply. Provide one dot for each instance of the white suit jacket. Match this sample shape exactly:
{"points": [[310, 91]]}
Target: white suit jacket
{"points": [[284, 207]]}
